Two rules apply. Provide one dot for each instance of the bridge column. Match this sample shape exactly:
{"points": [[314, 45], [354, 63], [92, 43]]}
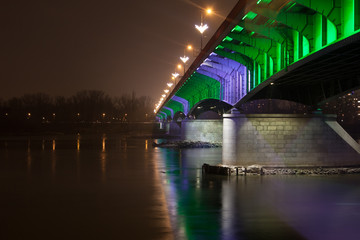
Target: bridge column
{"points": [[287, 140]]}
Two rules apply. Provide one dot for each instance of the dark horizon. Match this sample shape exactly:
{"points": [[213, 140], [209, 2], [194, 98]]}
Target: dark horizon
{"points": [[63, 47]]}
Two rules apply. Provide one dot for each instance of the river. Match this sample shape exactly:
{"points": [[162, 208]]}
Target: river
{"points": [[112, 187]]}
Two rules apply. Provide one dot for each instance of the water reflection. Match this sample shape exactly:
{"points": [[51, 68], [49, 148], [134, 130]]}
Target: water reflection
{"points": [[53, 144], [53, 161], [256, 207], [113, 174], [103, 159], [103, 142], [78, 142]]}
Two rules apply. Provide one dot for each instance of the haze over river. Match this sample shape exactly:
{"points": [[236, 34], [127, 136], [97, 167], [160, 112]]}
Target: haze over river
{"points": [[112, 187]]}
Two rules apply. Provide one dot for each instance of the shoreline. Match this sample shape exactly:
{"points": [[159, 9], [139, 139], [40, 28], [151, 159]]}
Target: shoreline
{"points": [[229, 170]]}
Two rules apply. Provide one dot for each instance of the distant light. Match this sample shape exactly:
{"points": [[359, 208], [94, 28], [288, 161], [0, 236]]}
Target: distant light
{"points": [[184, 59], [170, 84], [166, 90], [175, 75], [189, 47], [179, 66], [202, 28], [164, 95], [272, 83], [209, 11]]}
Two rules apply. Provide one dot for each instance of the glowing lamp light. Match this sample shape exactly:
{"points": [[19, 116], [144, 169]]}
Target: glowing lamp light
{"points": [[175, 75], [189, 47], [202, 28], [209, 11], [164, 95], [179, 66], [170, 84], [184, 59], [166, 90]]}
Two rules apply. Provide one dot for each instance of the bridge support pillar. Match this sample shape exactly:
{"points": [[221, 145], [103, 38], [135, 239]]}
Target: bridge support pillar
{"points": [[287, 140], [210, 130], [173, 129]]}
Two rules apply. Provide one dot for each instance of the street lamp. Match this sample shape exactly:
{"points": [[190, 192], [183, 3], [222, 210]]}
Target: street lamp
{"points": [[175, 75], [202, 27], [184, 60]]}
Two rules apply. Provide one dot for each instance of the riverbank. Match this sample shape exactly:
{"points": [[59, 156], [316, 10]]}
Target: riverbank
{"points": [[263, 170], [186, 144]]}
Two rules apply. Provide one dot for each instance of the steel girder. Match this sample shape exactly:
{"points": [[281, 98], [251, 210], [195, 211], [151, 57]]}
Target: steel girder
{"points": [[170, 110], [199, 87], [174, 106], [184, 102]]}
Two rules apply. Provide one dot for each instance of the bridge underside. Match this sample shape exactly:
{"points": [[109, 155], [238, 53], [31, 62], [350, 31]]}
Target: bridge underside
{"points": [[317, 78], [306, 51]]}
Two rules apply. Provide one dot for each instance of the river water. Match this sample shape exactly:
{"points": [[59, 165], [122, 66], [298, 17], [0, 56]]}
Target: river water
{"points": [[113, 187]]}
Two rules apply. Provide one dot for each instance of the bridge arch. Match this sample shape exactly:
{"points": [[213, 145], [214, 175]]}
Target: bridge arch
{"points": [[209, 108], [179, 116]]}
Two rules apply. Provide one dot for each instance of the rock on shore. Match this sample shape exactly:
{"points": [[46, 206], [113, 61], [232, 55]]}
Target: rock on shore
{"points": [[261, 170], [186, 144]]}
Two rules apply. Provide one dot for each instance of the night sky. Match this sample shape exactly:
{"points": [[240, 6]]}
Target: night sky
{"points": [[61, 47]]}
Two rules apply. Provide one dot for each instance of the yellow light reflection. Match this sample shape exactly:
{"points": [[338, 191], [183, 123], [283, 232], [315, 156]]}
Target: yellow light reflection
{"points": [[104, 143], [146, 144], [78, 142], [103, 166], [53, 145]]}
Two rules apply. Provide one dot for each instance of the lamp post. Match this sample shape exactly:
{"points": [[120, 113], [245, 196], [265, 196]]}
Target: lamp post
{"points": [[202, 27], [184, 60]]}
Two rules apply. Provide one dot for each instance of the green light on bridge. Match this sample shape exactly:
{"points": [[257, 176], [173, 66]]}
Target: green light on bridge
{"points": [[237, 28], [227, 38], [250, 15], [264, 1]]}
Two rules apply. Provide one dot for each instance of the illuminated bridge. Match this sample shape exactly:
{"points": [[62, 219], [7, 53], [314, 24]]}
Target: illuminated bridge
{"points": [[306, 51]]}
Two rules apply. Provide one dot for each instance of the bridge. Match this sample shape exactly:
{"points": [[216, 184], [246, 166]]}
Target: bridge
{"points": [[305, 51]]}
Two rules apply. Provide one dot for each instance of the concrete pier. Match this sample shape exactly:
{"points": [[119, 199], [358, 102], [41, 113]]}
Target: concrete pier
{"points": [[287, 140], [202, 130]]}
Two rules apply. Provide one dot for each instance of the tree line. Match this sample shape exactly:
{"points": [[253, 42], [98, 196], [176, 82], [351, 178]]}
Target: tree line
{"points": [[84, 106]]}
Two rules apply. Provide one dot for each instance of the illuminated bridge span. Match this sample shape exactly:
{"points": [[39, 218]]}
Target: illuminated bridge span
{"points": [[305, 51]]}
